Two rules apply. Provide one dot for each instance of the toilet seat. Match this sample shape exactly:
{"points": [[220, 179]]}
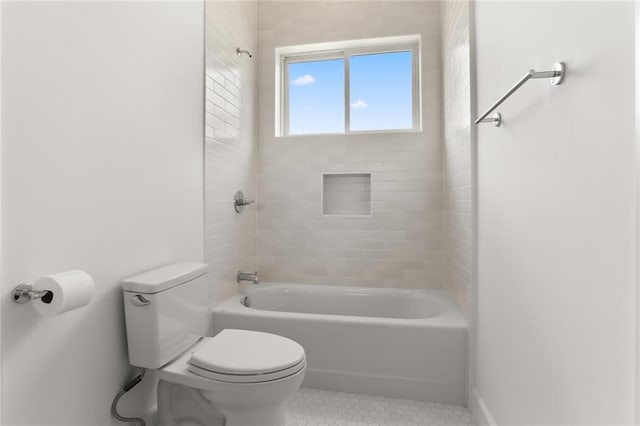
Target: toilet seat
{"points": [[247, 378], [244, 356]]}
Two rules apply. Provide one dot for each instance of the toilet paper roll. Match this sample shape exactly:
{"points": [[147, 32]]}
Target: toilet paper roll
{"points": [[71, 290]]}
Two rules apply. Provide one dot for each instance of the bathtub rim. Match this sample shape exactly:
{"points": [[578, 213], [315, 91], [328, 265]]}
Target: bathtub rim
{"points": [[449, 318]]}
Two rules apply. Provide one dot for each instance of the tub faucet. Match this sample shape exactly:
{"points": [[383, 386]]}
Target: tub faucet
{"points": [[248, 276]]}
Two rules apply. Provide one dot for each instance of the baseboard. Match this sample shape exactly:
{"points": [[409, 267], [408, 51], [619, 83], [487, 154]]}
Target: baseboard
{"points": [[479, 410]]}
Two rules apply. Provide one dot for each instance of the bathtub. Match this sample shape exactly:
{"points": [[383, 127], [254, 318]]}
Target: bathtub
{"points": [[396, 343]]}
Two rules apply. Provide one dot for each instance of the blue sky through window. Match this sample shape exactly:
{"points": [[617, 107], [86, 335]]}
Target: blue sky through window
{"points": [[380, 88], [316, 97], [380, 94]]}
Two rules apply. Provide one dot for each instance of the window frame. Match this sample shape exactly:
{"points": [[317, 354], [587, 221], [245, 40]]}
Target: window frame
{"points": [[344, 51]]}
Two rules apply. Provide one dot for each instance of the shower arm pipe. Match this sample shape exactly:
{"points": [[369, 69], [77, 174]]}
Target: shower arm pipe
{"points": [[241, 52], [556, 75]]}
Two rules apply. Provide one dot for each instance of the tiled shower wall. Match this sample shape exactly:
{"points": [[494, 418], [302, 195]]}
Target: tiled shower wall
{"points": [[400, 244], [230, 151], [457, 188]]}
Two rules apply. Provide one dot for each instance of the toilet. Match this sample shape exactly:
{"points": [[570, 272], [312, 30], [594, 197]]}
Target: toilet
{"points": [[236, 378]]}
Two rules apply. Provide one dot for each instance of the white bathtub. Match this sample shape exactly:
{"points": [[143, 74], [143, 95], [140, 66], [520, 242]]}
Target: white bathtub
{"points": [[396, 343]]}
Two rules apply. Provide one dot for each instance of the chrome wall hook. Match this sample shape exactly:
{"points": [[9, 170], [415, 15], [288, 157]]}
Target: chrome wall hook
{"points": [[24, 293]]}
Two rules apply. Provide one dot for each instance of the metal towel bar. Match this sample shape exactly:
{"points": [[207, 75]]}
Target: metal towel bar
{"points": [[556, 75]]}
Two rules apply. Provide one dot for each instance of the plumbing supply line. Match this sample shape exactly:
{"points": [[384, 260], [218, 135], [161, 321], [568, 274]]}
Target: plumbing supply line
{"points": [[114, 405]]}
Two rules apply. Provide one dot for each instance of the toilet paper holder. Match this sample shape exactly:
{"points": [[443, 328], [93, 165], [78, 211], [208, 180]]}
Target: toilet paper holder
{"points": [[24, 293]]}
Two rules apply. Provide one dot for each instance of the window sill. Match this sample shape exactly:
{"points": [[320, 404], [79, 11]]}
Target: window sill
{"points": [[358, 133]]}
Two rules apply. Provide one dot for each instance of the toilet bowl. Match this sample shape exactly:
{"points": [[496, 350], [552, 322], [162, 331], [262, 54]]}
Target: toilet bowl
{"points": [[245, 375], [236, 378]]}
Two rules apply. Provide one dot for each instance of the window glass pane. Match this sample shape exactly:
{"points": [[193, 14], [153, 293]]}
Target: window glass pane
{"points": [[316, 97], [381, 91]]}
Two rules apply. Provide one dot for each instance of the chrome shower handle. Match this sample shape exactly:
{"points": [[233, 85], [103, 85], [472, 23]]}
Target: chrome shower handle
{"points": [[239, 201]]}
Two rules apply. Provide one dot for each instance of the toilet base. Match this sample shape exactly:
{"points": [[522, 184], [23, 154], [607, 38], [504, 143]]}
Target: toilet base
{"points": [[180, 405], [272, 416], [255, 404]]}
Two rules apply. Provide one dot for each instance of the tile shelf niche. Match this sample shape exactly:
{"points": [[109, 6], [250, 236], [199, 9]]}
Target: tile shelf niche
{"points": [[346, 194]]}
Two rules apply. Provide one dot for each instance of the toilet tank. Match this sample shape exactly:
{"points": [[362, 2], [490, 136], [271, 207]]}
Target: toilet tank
{"points": [[166, 311]]}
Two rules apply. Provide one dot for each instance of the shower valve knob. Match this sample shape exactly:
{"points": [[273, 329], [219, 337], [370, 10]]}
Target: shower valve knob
{"points": [[239, 201]]}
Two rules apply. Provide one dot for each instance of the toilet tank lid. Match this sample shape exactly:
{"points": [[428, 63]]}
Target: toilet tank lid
{"points": [[164, 278]]}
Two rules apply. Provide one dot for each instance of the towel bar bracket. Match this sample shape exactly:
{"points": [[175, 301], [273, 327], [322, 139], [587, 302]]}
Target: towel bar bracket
{"points": [[556, 75], [496, 119]]}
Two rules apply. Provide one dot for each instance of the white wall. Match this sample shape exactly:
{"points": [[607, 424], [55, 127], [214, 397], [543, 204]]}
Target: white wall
{"points": [[400, 245], [459, 164], [457, 158], [102, 170], [231, 151], [3, 295], [637, 140], [556, 214], [637, 135]]}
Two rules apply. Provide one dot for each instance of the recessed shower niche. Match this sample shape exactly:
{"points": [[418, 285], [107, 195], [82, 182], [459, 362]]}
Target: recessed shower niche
{"points": [[347, 194]]}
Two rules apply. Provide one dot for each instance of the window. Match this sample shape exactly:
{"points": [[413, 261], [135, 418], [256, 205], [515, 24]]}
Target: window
{"points": [[351, 87], [316, 96]]}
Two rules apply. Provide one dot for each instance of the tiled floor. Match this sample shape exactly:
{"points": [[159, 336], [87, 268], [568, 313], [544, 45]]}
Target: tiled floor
{"points": [[312, 407]]}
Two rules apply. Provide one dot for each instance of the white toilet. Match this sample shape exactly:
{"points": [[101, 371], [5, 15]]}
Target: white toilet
{"points": [[237, 378]]}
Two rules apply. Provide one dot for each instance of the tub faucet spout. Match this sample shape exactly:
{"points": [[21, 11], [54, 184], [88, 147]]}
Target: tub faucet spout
{"points": [[248, 276]]}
